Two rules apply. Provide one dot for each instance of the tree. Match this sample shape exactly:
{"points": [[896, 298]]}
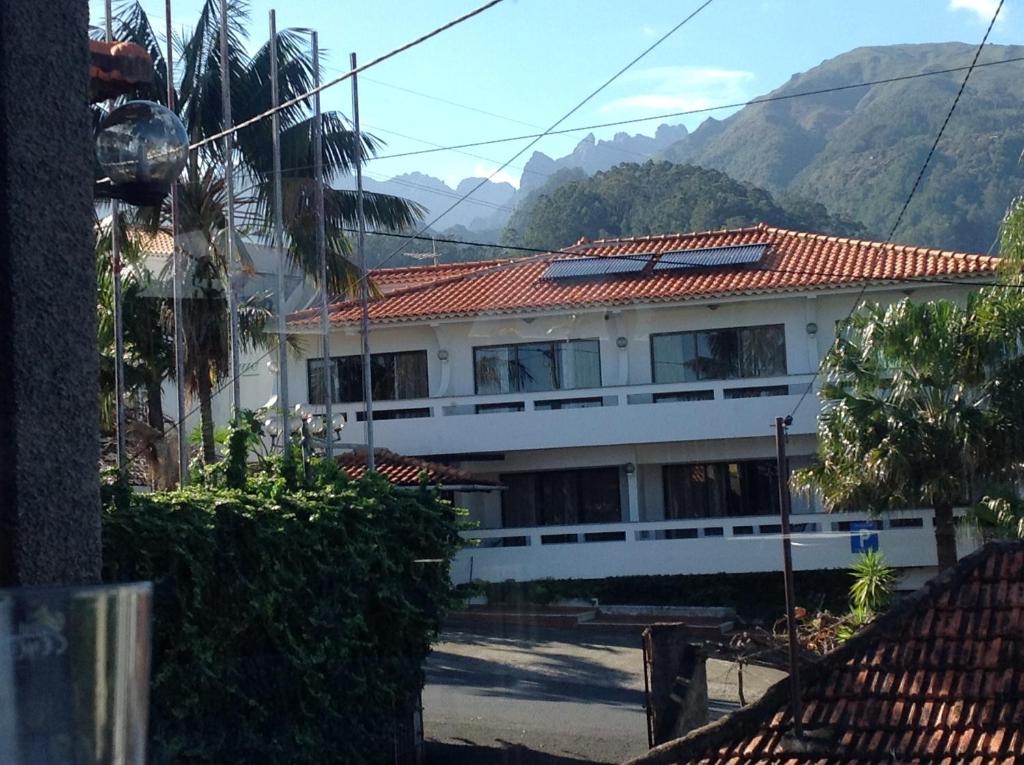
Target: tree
{"points": [[202, 189], [919, 407]]}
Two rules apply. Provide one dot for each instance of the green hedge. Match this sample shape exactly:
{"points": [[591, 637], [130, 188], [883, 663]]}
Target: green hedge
{"points": [[288, 625], [754, 596]]}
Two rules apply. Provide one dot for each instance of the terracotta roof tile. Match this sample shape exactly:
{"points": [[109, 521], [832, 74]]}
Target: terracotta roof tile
{"points": [[405, 471], [939, 678], [794, 261]]}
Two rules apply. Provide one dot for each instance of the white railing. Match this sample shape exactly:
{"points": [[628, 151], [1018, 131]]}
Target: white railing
{"points": [[696, 546], [614, 415]]}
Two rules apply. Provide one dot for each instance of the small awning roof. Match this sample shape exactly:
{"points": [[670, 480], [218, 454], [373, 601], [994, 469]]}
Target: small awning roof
{"points": [[117, 68], [406, 471]]}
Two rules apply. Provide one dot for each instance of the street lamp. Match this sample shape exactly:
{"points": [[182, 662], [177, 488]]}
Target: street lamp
{"points": [[142, 147]]}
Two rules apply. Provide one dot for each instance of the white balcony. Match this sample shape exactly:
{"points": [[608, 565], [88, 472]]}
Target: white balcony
{"points": [[630, 414], [695, 546]]}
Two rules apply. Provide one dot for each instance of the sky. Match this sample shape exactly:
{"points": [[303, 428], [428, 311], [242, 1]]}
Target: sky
{"points": [[522, 65]]}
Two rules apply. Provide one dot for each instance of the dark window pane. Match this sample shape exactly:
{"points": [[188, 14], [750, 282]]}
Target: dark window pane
{"points": [[535, 368], [719, 354], [491, 369], [668, 360], [411, 375], [599, 495], [762, 351], [518, 501], [350, 378], [532, 367], [315, 380], [720, 489], [580, 364]]}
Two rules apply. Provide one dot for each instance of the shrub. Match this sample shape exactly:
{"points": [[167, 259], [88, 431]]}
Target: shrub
{"points": [[288, 625]]}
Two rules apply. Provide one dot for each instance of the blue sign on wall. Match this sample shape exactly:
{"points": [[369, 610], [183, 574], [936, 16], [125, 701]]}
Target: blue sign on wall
{"points": [[861, 537]]}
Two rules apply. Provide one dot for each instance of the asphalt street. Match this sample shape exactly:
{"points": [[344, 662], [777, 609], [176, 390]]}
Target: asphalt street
{"points": [[540, 696]]}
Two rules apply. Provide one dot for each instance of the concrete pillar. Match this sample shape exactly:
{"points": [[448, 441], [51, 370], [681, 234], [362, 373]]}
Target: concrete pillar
{"points": [[49, 415], [633, 491]]}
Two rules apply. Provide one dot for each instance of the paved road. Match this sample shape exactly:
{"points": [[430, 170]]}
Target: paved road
{"points": [[548, 697]]}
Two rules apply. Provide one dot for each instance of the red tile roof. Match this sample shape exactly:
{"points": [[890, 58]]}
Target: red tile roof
{"points": [[116, 68], [795, 261], [405, 471], [937, 679], [389, 280]]}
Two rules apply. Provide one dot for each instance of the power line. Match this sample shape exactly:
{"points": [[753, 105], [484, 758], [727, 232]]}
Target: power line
{"points": [[554, 125], [704, 110], [914, 188]]}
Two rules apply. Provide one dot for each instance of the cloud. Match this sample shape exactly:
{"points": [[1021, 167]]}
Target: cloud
{"points": [[679, 88], [983, 9], [481, 170], [648, 31]]}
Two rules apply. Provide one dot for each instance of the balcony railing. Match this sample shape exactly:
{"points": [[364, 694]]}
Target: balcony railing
{"points": [[697, 546], [546, 419]]}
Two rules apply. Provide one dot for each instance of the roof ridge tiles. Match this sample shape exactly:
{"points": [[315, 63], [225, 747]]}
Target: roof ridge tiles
{"points": [[752, 720]]}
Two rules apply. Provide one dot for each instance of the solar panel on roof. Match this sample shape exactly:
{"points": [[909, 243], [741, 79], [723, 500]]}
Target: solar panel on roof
{"points": [[711, 257], [577, 268]]}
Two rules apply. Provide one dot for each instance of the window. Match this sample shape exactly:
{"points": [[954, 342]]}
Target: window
{"points": [[530, 367], [395, 376], [721, 489], [561, 497], [719, 354]]}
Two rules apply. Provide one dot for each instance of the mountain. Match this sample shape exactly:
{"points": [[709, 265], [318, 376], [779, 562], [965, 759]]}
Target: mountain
{"points": [[654, 198], [591, 155], [488, 208], [859, 151]]}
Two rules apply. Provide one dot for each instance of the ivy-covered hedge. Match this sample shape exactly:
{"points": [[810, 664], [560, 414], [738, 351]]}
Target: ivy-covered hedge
{"points": [[288, 625]]}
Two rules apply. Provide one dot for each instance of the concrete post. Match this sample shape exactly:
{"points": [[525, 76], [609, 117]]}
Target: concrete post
{"points": [[49, 411]]}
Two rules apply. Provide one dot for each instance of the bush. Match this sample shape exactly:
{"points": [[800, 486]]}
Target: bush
{"points": [[753, 595], [288, 625]]}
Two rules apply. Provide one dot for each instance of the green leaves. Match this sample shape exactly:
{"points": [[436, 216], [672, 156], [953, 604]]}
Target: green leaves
{"points": [[873, 581], [287, 623]]}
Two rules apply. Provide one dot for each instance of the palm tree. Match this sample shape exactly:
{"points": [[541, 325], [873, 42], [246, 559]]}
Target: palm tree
{"points": [[913, 409], [201, 191]]}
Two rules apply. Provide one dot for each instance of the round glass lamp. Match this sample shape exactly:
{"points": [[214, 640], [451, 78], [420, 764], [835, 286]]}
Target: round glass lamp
{"points": [[142, 146]]}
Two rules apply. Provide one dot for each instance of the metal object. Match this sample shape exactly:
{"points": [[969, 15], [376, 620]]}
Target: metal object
{"points": [[644, 638], [141, 146], [321, 238], [229, 238], [74, 674], [796, 705], [575, 268], [364, 282], [282, 319], [115, 273], [711, 257], [176, 276]]}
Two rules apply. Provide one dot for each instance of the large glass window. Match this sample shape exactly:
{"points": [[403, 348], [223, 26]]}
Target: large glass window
{"points": [[530, 367], [719, 354], [721, 489], [395, 376], [561, 497]]}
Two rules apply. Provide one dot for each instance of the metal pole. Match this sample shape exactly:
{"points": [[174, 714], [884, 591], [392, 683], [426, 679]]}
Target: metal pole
{"points": [[115, 270], [176, 276], [282, 320], [321, 246], [364, 284], [229, 187], [796, 706]]}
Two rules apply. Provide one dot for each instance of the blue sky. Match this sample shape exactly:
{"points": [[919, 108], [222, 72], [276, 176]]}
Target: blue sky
{"points": [[527, 62]]}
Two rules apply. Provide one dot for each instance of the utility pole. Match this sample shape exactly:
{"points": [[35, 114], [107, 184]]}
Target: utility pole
{"points": [[364, 283], [321, 246], [282, 319], [115, 272], [176, 278], [796, 706], [229, 238]]}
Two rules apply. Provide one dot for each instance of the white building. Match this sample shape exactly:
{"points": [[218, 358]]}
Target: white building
{"points": [[624, 393]]}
